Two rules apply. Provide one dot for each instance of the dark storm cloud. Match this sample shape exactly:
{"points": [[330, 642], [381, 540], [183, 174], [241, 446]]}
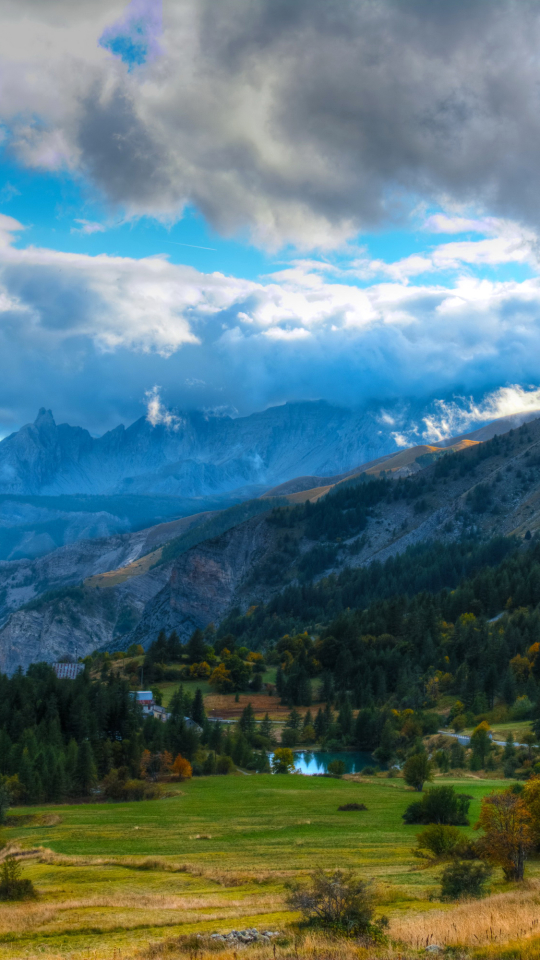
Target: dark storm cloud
{"points": [[303, 121]]}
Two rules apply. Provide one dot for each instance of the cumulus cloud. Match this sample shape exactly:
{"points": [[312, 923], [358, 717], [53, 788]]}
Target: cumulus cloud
{"points": [[302, 122]]}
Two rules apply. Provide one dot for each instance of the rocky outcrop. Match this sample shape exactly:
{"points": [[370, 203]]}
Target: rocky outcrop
{"points": [[206, 581], [76, 621]]}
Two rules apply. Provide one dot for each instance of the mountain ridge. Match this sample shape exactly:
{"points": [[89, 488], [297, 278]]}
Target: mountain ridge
{"points": [[487, 489]]}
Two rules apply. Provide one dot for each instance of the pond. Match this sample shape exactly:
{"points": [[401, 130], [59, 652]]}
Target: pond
{"points": [[311, 762]]}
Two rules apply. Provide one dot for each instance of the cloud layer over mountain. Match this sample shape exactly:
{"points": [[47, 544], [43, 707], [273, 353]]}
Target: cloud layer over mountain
{"points": [[86, 332]]}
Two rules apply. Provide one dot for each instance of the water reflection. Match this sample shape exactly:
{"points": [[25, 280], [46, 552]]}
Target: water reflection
{"points": [[311, 762]]}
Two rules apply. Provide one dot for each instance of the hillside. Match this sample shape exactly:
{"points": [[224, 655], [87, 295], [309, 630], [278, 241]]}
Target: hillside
{"points": [[246, 556]]}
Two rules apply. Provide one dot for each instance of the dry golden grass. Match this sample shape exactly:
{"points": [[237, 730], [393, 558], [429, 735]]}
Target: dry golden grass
{"points": [[223, 705], [497, 919], [300, 946]]}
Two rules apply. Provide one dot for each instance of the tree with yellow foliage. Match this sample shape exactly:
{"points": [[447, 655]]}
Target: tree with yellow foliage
{"points": [[508, 832], [181, 768]]}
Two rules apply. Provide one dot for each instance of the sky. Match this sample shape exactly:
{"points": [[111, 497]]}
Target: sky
{"points": [[230, 206]]}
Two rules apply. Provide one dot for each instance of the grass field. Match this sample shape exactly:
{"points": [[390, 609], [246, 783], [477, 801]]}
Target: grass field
{"points": [[214, 855], [501, 730]]}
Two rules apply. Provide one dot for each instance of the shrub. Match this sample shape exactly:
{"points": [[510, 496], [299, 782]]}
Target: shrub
{"points": [[368, 771], [439, 839], [353, 806], [417, 769], [224, 765], [464, 880], [12, 885], [115, 787], [338, 901], [440, 805], [336, 767]]}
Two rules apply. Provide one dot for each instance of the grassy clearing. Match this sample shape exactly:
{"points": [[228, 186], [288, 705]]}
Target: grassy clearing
{"points": [[502, 730], [213, 856]]}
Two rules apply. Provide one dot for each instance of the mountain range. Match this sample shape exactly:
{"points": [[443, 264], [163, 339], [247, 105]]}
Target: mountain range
{"points": [[184, 573], [195, 455]]}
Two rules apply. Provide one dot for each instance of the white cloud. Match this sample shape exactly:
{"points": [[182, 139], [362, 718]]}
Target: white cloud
{"points": [[457, 416], [442, 223], [88, 227], [157, 413]]}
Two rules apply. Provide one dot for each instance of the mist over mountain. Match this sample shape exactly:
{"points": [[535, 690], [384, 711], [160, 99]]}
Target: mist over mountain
{"points": [[194, 454]]}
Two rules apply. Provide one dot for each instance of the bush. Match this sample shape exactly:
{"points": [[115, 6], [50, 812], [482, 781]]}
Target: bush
{"points": [[338, 901], [417, 769], [368, 771], [12, 885], [336, 767], [440, 805], [464, 880], [115, 787], [224, 765], [353, 806], [439, 839]]}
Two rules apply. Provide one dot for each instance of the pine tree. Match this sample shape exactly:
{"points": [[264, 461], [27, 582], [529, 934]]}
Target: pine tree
{"points": [[215, 738], [320, 725], [304, 696], [174, 647], [326, 693], [247, 722], [85, 772], [294, 720], [266, 728], [345, 719], [196, 647], [198, 714]]}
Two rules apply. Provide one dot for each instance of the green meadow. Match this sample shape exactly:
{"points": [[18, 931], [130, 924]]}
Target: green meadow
{"points": [[212, 855]]}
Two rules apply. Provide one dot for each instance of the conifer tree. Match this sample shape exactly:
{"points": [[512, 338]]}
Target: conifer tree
{"points": [[196, 647], [85, 771], [198, 714]]}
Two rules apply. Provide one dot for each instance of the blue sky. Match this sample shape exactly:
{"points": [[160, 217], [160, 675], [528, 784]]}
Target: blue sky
{"points": [[233, 207]]}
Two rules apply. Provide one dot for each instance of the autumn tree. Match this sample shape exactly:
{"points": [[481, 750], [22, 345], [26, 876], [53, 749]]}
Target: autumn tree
{"points": [[220, 678], [508, 832], [531, 799], [181, 768], [283, 760]]}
